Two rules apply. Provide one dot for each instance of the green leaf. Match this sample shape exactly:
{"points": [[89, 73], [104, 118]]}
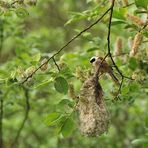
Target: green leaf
{"points": [[85, 34], [145, 34], [55, 119], [140, 141], [118, 22], [140, 12], [145, 84], [88, 1], [21, 12], [18, 51], [120, 13], [131, 26], [4, 73], [44, 83], [134, 87], [52, 118], [61, 85], [36, 57], [65, 71], [76, 18], [141, 3], [133, 63], [64, 102], [125, 90], [67, 127], [92, 49], [60, 122]]}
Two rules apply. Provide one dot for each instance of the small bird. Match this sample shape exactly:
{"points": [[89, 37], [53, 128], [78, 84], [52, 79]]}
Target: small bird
{"points": [[103, 67]]}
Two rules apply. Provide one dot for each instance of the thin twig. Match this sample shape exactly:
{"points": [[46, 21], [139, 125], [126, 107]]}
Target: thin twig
{"points": [[143, 27], [121, 54], [75, 37], [26, 93], [56, 64], [128, 5], [109, 50], [14, 2], [108, 39], [120, 89]]}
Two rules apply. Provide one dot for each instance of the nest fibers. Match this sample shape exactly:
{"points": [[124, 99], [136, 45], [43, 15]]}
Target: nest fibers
{"points": [[93, 115]]}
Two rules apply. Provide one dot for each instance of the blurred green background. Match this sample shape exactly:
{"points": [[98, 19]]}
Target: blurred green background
{"points": [[31, 31]]}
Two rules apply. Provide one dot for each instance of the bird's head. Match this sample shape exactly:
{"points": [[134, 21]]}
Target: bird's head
{"points": [[96, 61]]}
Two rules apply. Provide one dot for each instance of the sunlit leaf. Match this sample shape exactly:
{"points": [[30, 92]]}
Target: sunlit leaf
{"points": [[44, 83], [92, 49], [36, 57], [68, 127], [64, 102], [141, 3], [139, 141], [52, 118], [120, 13], [76, 18]]}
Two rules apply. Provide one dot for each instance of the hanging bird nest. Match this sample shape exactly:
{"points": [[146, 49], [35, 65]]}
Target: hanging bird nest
{"points": [[93, 115]]}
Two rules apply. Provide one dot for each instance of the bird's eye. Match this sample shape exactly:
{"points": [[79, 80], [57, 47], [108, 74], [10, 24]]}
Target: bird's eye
{"points": [[93, 59]]}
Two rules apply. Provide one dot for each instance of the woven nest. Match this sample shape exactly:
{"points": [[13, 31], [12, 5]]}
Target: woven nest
{"points": [[93, 115]]}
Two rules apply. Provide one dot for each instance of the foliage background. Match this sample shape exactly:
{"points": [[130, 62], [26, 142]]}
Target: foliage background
{"points": [[31, 32]]}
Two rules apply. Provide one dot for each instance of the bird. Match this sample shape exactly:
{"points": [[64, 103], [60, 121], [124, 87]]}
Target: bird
{"points": [[101, 66]]}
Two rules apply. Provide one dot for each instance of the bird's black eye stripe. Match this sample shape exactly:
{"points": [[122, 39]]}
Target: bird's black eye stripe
{"points": [[92, 60]]}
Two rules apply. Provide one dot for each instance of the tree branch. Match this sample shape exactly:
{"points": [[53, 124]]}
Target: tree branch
{"points": [[110, 54], [56, 64], [26, 93], [108, 39], [14, 2], [70, 41], [128, 5]]}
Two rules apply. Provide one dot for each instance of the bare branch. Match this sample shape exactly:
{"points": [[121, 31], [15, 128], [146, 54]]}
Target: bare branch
{"points": [[144, 26], [26, 93], [62, 48], [110, 54], [56, 64], [120, 89], [108, 39], [17, 1], [128, 5]]}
